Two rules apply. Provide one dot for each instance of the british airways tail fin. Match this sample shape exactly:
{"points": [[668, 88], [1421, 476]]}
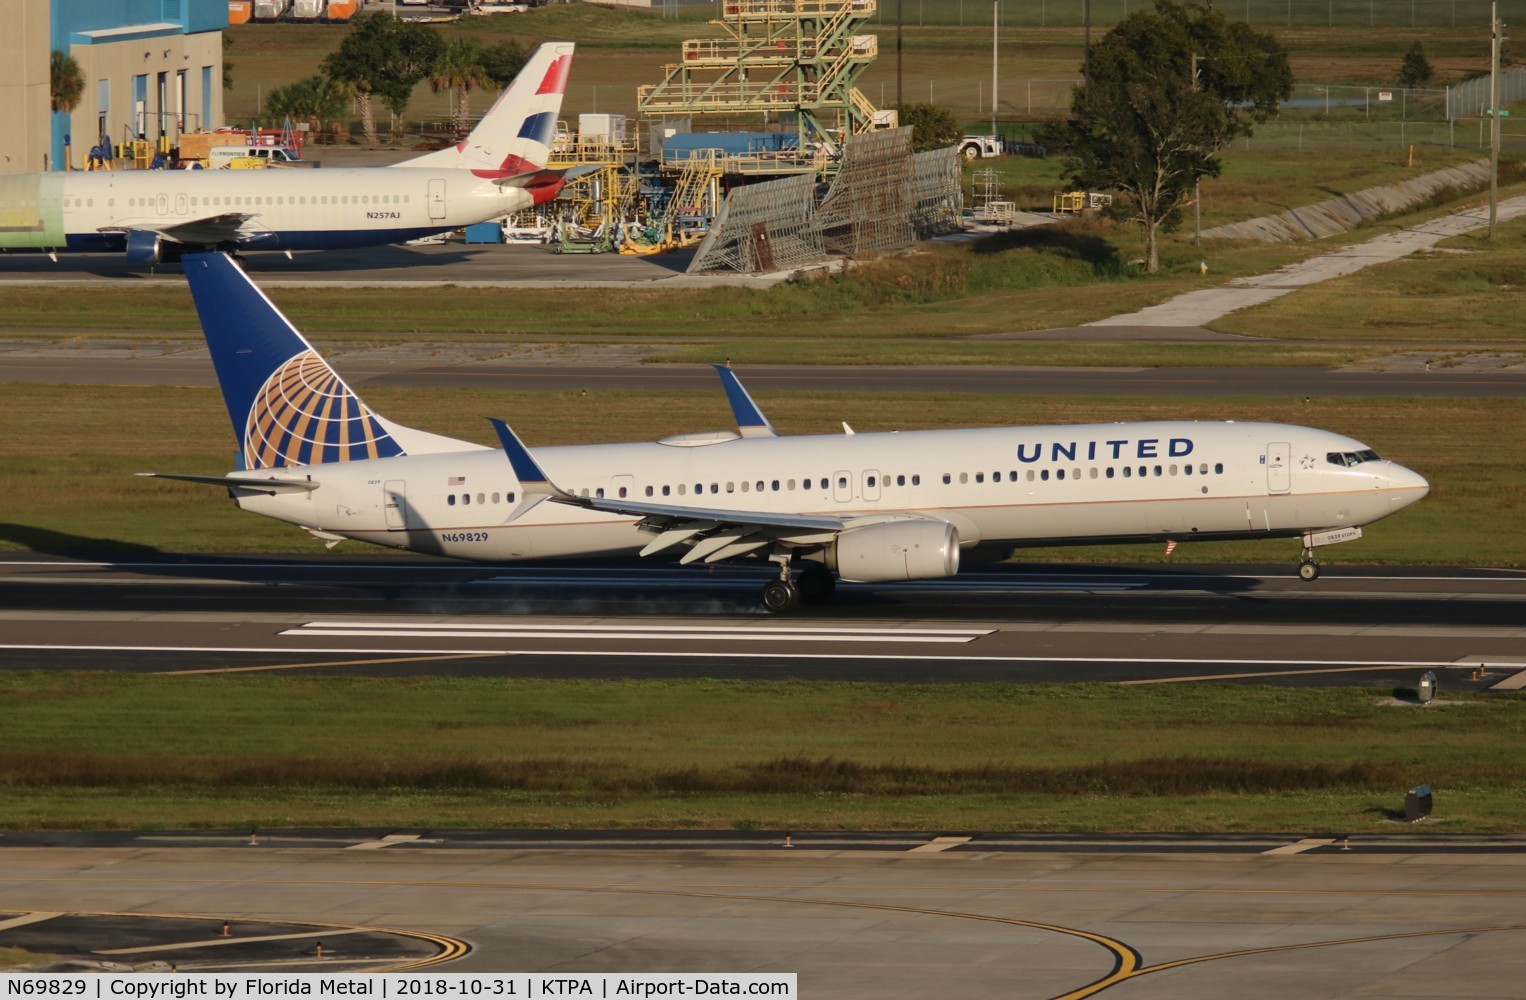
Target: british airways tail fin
{"points": [[287, 405], [514, 137]]}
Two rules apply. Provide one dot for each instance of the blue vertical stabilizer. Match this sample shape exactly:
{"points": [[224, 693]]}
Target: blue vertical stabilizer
{"points": [[287, 405]]}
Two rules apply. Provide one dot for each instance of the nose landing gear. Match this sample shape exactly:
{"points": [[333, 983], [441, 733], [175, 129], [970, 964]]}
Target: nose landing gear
{"points": [[1308, 570]]}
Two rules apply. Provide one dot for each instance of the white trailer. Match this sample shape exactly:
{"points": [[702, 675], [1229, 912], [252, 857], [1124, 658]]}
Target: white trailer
{"points": [[307, 10]]}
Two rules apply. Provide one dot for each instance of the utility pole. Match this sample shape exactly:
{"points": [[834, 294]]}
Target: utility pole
{"points": [[995, 28], [1086, 58], [898, 5], [1494, 115]]}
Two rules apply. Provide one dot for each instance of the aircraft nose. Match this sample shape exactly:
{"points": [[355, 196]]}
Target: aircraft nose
{"points": [[1407, 485]]}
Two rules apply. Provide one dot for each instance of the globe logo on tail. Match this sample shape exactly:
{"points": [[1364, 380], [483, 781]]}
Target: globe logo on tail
{"points": [[304, 414]]}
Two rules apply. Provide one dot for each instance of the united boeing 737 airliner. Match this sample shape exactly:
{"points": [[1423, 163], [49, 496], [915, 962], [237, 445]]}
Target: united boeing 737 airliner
{"points": [[872, 507], [158, 215]]}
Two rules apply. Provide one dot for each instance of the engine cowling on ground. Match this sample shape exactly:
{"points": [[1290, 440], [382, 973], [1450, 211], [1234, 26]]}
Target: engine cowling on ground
{"points": [[897, 550]]}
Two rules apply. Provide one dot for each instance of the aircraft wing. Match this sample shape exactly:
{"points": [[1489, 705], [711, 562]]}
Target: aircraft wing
{"points": [[714, 534], [208, 231], [271, 485]]}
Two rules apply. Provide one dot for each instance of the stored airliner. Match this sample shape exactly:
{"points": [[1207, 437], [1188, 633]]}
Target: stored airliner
{"points": [[158, 215], [869, 508]]}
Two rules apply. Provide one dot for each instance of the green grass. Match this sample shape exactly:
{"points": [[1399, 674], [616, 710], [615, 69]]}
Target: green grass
{"points": [[12, 957], [81, 497], [173, 752]]}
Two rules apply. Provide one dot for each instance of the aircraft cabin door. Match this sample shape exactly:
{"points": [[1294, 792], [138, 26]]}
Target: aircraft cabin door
{"points": [[871, 485], [437, 198], [842, 486], [1278, 474], [395, 502]]}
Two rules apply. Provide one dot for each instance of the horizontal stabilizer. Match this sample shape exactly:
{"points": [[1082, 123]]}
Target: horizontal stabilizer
{"points": [[271, 485]]}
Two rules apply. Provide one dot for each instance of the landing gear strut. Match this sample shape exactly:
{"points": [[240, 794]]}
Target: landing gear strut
{"points": [[781, 595], [1308, 570]]}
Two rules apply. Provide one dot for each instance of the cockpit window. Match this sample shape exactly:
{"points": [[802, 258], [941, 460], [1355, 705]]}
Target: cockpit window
{"points": [[1350, 458]]}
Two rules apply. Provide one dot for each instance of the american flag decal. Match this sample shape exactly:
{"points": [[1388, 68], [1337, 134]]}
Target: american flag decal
{"points": [[456, 481]]}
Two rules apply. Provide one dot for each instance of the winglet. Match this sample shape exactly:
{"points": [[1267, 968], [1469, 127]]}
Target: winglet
{"points": [[530, 475], [750, 420]]}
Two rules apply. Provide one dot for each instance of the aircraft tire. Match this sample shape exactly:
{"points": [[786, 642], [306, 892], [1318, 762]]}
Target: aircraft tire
{"points": [[1308, 571], [780, 596]]}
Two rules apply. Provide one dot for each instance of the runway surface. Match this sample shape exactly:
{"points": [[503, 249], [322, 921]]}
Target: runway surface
{"points": [[194, 368], [1008, 622], [889, 916]]}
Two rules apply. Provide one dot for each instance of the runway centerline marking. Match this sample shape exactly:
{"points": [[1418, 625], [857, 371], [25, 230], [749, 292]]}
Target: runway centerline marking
{"points": [[219, 941], [1301, 846]]}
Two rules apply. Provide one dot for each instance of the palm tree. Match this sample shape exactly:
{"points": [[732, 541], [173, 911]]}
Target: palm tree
{"points": [[318, 100], [459, 68], [67, 82]]}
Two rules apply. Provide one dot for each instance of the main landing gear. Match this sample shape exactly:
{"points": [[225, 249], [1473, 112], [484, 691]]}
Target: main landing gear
{"points": [[1308, 570], [816, 583]]}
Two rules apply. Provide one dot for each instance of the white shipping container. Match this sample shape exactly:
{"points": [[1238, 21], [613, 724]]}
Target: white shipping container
{"points": [[601, 128], [270, 10], [307, 10]]}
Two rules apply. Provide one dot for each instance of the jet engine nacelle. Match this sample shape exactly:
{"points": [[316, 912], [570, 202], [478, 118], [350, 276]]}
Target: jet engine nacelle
{"points": [[896, 550], [145, 248]]}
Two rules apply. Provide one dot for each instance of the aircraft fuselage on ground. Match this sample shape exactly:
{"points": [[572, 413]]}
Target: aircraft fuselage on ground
{"points": [[872, 507]]}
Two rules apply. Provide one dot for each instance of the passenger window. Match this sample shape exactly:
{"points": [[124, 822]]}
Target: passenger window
{"points": [[1157, 470], [1030, 475], [1128, 470], [466, 499], [509, 497], [871, 480], [450, 501], [495, 497], [842, 482], [964, 477], [1218, 467], [716, 488], [599, 493], [1094, 472], [732, 487], [980, 477], [775, 485], [624, 493], [1012, 476], [1044, 475], [947, 479], [1059, 473], [790, 483], [760, 486], [916, 480], [1173, 470], [650, 491], [481, 498], [682, 489], [1187, 469], [667, 491]]}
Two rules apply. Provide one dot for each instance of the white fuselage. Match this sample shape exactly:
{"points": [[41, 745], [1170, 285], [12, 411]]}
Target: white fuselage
{"points": [[290, 209], [1013, 486]]}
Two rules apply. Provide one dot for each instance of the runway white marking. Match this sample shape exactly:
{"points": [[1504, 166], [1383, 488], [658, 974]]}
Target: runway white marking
{"points": [[26, 918], [1300, 847], [221, 941], [939, 844], [688, 633]]}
